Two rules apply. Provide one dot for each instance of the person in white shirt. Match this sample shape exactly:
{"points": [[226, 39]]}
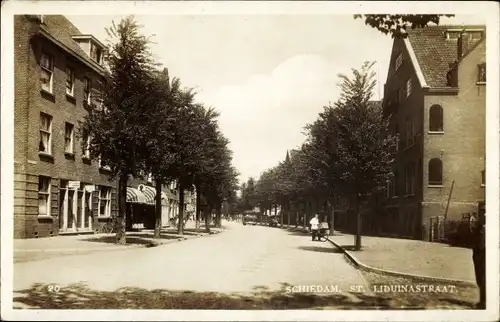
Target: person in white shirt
{"points": [[314, 222]]}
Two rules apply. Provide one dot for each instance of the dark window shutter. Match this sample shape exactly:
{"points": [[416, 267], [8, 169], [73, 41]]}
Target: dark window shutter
{"points": [[95, 203], [114, 202], [54, 197]]}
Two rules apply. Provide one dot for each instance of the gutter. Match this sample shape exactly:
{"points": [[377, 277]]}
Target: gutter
{"points": [[94, 66]]}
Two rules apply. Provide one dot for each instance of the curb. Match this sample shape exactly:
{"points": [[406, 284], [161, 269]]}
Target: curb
{"points": [[367, 268]]}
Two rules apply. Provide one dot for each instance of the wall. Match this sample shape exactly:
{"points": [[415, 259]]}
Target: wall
{"points": [[462, 145]]}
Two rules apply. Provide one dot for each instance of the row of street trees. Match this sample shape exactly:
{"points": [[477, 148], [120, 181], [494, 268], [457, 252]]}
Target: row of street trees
{"points": [[147, 122], [347, 150]]}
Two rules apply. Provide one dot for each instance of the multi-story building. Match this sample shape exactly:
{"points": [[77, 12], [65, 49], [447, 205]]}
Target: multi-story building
{"points": [[435, 97], [58, 72], [58, 189]]}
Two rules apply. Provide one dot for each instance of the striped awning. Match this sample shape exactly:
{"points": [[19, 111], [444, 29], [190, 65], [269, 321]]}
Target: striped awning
{"points": [[135, 196], [150, 194]]}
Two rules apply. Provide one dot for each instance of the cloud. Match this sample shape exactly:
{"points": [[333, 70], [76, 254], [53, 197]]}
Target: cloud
{"points": [[264, 116]]}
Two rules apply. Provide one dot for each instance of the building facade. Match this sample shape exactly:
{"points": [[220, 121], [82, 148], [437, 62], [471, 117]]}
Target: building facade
{"points": [[58, 73], [435, 97]]}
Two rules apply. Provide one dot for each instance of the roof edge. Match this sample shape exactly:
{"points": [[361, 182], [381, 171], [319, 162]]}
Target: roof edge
{"points": [[97, 68], [416, 65]]}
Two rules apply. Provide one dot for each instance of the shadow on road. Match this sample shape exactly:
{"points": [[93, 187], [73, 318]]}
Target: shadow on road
{"points": [[131, 239], [79, 296], [321, 249]]}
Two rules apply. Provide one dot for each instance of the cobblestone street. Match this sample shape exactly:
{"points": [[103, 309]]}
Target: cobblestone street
{"points": [[243, 267]]}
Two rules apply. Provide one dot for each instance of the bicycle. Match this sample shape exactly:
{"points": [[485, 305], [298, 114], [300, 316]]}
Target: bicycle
{"points": [[109, 227]]}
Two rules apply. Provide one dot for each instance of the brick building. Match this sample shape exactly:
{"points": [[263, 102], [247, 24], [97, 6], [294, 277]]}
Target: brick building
{"points": [[57, 188], [435, 96], [58, 72]]}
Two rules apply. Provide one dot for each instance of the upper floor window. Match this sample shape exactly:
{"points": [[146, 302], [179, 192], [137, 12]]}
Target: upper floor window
{"points": [[410, 132], [68, 138], [45, 144], [408, 87], [410, 179], [87, 86], [86, 146], [95, 53], [435, 172], [70, 81], [481, 73], [103, 165], [43, 196], [47, 66], [398, 62], [436, 118]]}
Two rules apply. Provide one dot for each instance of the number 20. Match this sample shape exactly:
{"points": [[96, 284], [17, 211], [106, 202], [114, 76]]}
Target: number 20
{"points": [[54, 288]]}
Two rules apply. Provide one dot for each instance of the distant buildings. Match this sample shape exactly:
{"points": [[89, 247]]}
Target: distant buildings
{"points": [[435, 95], [57, 188]]}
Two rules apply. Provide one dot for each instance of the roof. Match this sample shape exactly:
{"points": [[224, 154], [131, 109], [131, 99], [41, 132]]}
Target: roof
{"points": [[62, 30], [434, 52]]}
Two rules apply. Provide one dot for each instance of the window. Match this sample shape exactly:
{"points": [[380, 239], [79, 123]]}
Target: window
{"points": [[103, 165], [436, 118], [481, 73], [70, 81], [390, 190], [45, 144], [399, 61], [47, 65], [476, 35], [95, 53], [87, 85], [408, 87], [68, 138], [410, 179], [435, 172], [43, 196], [452, 35], [86, 146], [105, 201], [401, 95], [410, 132], [396, 180]]}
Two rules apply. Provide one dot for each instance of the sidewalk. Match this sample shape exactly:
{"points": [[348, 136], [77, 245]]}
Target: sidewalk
{"points": [[41, 248], [411, 256]]}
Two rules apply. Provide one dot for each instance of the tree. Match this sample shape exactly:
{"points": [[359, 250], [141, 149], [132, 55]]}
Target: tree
{"points": [[116, 124], [362, 161], [161, 148], [396, 25]]}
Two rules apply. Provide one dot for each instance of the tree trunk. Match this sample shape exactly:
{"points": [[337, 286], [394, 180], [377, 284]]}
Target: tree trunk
{"points": [[121, 219], [218, 217], [332, 217], [180, 225], [288, 215], [198, 209], [157, 209], [358, 223], [206, 212], [297, 217]]}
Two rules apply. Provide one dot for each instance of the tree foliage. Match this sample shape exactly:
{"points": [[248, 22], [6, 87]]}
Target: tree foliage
{"points": [[397, 25]]}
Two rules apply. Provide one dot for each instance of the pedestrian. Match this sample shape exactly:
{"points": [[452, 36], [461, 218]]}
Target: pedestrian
{"points": [[479, 258], [314, 222]]}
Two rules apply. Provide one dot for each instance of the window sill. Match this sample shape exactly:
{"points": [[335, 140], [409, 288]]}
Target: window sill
{"points": [[48, 95], [395, 197], [70, 98], [103, 217], [409, 195], [69, 155], [480, 83], [435, 132], [435, 186], [46, 156], [45, 217], [483, 185]]}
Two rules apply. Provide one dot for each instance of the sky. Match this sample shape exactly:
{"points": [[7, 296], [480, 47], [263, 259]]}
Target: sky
{"points": [[267, 75]]}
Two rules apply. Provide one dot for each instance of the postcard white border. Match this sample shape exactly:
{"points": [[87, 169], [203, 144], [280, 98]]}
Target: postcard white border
{"points": [[487, 9]]}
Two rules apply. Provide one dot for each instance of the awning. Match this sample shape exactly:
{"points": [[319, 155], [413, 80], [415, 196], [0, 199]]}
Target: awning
{"points": [[150, 194], [135, 196]]}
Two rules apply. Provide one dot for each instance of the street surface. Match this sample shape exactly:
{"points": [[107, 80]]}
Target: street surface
{"points": [[235, 269]]}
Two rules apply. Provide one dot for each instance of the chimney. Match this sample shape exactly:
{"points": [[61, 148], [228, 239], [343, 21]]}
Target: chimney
{"points": [[462, 44]]}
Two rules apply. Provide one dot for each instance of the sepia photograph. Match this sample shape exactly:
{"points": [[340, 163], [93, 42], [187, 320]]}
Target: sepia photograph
{"points": [[246, 161]]}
